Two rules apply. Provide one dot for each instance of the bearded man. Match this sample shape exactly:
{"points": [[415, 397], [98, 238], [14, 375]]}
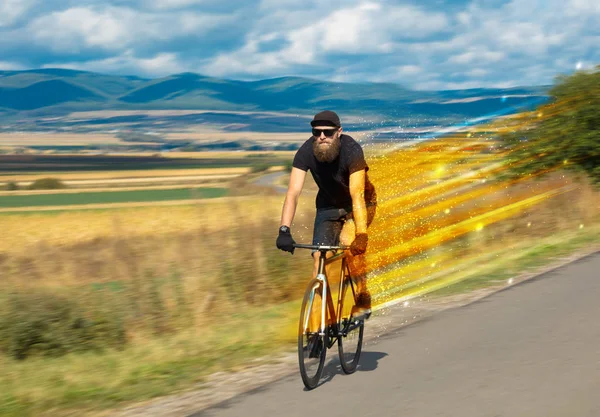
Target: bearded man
{"points": [[346, 201]]}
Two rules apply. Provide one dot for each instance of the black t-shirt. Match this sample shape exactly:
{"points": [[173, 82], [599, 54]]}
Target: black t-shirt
{"points": [[333, 178]]}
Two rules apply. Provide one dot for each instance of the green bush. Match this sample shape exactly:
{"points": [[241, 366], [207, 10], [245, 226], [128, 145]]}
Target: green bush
{"points": [[260, 168], [288, 166], [39, 323], [47, 184], [11, 186]]}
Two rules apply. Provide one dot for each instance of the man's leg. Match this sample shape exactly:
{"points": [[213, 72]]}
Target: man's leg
{"points": [[326, 229], [358, 264]]}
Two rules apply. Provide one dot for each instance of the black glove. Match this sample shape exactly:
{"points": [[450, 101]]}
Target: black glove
{"points": [[285, 241], [359, 246]]}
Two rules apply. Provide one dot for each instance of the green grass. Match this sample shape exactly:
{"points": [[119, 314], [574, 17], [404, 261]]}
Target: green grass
{"points": [[494, 268], [104, 197], [77, 383]]}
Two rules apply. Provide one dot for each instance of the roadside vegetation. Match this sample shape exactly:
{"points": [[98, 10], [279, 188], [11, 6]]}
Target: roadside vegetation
{"points": [[564, 133]]}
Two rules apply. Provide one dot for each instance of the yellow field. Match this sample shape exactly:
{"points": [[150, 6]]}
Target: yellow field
{"points": [[211, 154], [113, 206], [196, 184]]}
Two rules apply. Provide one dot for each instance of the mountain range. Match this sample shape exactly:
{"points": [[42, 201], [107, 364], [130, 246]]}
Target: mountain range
{"points": [[58, 91]]}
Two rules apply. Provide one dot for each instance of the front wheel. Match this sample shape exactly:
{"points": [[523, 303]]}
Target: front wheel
{"points": [[312, 347], [350, 341]]}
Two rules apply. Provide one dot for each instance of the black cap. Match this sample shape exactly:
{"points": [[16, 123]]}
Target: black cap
{"points": [[326, 118]]}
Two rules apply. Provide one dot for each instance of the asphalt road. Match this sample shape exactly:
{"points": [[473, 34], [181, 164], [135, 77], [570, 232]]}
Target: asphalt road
{"points": [[270, 180], [531, 350]]}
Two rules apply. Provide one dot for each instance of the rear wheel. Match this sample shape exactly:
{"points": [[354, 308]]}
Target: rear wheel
{"points": [[312, 347], [350, 343]]}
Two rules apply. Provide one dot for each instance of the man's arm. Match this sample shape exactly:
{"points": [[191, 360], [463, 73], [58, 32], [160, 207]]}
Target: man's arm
{"points": [[359, 208], [297, 177]]}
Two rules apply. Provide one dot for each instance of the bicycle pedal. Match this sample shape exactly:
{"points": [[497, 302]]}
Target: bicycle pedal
{"points": [[361, 316]]}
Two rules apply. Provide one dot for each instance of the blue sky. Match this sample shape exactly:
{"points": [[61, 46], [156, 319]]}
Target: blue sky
{"points": [[429, 44]]}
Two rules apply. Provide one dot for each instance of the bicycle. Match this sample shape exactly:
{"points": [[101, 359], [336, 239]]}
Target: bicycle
{"points": [[328, 325]]}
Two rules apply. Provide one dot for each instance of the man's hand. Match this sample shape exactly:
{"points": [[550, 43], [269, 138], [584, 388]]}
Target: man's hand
{"points": [[359, 246], [285, 241]]}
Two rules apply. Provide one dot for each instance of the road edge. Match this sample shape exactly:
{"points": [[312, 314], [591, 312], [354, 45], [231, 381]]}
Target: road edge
{"points": [[394, 316]]}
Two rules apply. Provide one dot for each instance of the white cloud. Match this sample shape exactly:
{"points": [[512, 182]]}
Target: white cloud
{"points": [[77, 28], [372, 28], [11, 10], [477, 72], [476, 55], [365, 28], [424, 45], [10, 66], [115, 28], [157, 66], [173, 4], [246, 61], [405, 70], [585, 6]]}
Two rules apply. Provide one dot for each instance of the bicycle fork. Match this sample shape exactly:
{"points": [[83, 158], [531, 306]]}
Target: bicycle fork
{"points": [[321, 278]]}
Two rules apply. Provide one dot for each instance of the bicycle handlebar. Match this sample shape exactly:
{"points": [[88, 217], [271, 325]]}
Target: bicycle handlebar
{"points": [[320, 247]]}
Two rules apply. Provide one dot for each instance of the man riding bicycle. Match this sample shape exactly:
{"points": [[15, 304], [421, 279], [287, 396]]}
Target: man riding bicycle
{"points": [[346, 201]]}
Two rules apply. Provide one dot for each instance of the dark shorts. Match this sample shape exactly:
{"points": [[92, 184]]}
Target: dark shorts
{"points": [[329, 224]]}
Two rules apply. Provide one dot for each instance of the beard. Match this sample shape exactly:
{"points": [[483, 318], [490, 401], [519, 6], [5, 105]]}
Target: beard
{"points": [[327, 153]]}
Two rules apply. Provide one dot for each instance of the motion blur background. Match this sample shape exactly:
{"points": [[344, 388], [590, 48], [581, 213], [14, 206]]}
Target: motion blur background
{"points": [[145, 150]]}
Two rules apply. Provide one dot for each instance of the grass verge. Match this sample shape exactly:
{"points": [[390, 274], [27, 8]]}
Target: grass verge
{"points": [[79, 384], [499, 266]]}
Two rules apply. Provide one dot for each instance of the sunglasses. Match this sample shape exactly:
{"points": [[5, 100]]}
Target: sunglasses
{"points": [[327, 132]]}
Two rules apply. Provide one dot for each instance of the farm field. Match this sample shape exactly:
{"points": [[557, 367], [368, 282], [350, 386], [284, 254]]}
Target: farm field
{"points": [[119, 174], [214, 154], [107, 197], [117, 181], [84, 139], [128, 182], [54, 163], [57, 139]]}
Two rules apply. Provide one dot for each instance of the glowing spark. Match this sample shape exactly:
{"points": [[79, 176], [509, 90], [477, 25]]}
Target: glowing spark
{"points": [[510, 281], [581, 226], [579, 65], [406, 303], [409, 236]]}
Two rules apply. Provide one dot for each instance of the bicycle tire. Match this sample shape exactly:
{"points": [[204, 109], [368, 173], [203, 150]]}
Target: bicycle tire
{"points": [[311, 369], [350, 344]]}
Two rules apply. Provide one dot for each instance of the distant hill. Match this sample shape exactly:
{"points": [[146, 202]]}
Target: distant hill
{"points": [[50, 91]]}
